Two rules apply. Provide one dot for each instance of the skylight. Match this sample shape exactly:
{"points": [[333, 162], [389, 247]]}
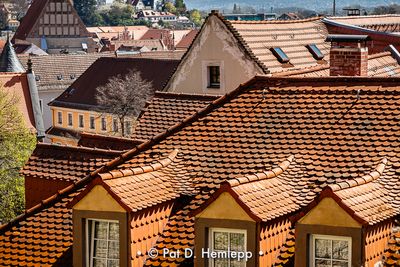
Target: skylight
{"points": [[314, 50], [280, 55]]}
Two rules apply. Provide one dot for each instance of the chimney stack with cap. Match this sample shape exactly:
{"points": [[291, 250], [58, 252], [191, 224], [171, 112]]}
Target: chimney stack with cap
{"points": [[348, 55]]}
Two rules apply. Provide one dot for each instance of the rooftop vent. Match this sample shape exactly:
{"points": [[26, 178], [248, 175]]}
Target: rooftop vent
{"points": [[314, 50], [59, 77], [72, 76], [37, 78], [280, 55]]}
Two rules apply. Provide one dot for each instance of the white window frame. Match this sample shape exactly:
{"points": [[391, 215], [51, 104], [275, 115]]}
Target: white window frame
{"points": [[72, 119], [83, 121], [101, 124], [90, 240], [205, 76], [59, 122], [327, 237], [90, 122], [211, 232]]}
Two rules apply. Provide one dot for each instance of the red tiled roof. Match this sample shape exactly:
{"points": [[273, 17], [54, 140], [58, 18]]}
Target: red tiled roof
{"points": [[337, 128], [107, 142], [380, 64], [187, 40], [17, 84], [65, 163], [382, 23], [167, 109], [2, 43], [81, 94], [392, 253]]}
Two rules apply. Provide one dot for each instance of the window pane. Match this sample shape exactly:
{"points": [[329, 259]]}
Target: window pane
{"points": [[113, 263], [100, 230], [113, 250], [340, 264], [322, 263], [323, 248], [237, 242], [220, 241], [340, 250], [235, 263], [99, 263], [113, 234], [221, 263], [100, 249]]}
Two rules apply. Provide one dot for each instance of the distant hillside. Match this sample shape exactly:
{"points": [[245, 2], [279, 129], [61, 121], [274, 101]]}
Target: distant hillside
{"points": [[317, 5]]}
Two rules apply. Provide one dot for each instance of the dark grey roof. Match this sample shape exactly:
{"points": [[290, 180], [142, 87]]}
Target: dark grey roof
{"points": [[9, 61]]}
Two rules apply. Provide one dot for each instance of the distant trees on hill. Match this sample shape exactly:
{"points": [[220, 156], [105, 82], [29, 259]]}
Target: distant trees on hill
{"points": [[390, 9]]}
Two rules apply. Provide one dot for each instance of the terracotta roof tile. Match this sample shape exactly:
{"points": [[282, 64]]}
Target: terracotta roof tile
{"points": [[382, 23], [392, 253], [187, 40], [65, 163], [166, 110]]}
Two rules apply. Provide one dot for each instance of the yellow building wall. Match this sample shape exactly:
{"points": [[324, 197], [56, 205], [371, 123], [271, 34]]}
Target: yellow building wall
{"points": [[86, 119], [214, 44], [329, 213], [225, 207], [98, 199]]}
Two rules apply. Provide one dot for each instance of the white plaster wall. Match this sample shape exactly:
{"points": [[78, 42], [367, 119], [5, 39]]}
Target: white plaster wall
{"points": [[214, 44], [48, 96]]}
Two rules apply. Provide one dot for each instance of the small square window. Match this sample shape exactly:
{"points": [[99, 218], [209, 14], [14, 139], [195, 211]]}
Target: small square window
{"points": [[92, 123], [81, 123], [59, 117], [214, 76], [330, 251], [280, 55], [69, 119]]}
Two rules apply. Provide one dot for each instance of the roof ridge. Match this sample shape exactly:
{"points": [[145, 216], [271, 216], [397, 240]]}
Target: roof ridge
{"points": [[351, 26], [194, 96], [380, 54], [143, 169], [79, 148], [301, 70], [370, 177], [282, 167], [364, 16], [276, 21]]}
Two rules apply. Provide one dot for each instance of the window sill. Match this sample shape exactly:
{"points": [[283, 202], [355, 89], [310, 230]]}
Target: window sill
{"points": [[213, 87]]}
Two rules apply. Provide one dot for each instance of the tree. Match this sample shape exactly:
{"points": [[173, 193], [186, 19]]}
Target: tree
{"points": [[180, 6], [169, 7], [16, 145], [390, 9], [118, 15], [124, 96], [195, 16], [87, 11]]}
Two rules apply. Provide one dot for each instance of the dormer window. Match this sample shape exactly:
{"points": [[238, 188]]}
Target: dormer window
{"points": [[280, 55], [314, 50]]}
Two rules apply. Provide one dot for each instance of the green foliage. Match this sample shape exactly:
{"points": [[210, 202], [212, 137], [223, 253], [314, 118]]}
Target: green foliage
{"points": [[169, 7], [180, 6], [16, 144], [119, 15], [87, 11], [196, 17]]}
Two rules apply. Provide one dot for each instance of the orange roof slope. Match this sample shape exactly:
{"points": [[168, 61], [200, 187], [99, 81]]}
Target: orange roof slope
{"points": [[380, 65], [291, 36], [17, 84], [187, 40], [166, 110], [382, 23]]}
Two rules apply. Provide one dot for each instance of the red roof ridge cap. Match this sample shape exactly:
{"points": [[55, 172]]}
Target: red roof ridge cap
{"points": [[282, 167], [162, 163], [370, 177]]}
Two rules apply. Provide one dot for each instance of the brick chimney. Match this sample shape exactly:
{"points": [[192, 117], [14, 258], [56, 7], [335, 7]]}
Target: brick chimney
{"points": [[348, 55]]}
